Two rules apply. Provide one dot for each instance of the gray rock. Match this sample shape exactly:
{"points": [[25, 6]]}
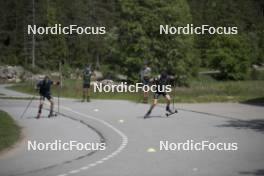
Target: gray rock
{"points": [[121, 77], [98, 75], [107, 82], [11, 73]]}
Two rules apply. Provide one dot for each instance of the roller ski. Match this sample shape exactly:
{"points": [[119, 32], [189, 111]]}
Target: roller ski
{"points": [[38, 116], [169, 113], [52, 115]]}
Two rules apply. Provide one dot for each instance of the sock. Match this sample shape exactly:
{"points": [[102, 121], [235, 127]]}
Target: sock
{"points": [[168, 107]]}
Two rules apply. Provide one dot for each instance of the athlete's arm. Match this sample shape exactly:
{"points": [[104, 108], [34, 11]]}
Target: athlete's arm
{"points": [[37, 87]]}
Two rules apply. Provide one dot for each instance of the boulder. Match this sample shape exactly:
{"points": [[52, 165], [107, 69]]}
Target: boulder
{"points": [[121, 77], [107, 82], [98, 75], [11, 73]]}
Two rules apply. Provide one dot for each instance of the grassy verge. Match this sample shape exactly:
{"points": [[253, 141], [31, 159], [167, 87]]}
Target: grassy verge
{"points": [[18, 98], [202, 90], [9, 131]]}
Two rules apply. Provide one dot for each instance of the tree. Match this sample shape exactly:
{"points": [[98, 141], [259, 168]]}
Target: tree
{"points": [[231, 55], [247, 15], [140, 39]]}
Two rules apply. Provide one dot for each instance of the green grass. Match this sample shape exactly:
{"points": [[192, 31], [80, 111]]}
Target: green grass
{"points": [[228, 91], [18, 98], [9, 131], [204, 89]]}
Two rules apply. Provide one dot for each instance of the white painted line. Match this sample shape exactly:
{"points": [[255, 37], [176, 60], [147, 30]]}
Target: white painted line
{"points": [[100, 161], [84, 168], [74, 171], [118, 150], [104, 159], [92, 165]]}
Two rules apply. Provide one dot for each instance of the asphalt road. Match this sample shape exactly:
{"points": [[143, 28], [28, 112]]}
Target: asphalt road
{"points": [[133, 143]]}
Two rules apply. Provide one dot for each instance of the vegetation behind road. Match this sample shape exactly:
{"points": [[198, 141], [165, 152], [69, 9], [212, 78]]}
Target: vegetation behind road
{"points": [[133, 36], [202, 90]]}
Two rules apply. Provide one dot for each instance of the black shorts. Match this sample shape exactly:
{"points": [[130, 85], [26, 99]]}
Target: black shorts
{"points": [[43, 96], [157, 94], [86, 85], [145, 81]]}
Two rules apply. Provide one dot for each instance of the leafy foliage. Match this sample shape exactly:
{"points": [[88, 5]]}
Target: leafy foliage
{"points": [[133, 35], [139, 38], [247, 15], [231, 55]]}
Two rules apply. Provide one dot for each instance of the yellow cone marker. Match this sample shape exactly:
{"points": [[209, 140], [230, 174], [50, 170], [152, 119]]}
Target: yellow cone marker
{"points": [[151, 150], [121, 121]]}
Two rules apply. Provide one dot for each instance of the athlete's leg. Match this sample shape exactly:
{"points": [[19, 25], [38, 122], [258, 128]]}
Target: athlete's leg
{"points": [[88, 94], [155, 102], [145, 96], [41, 102], [145, 93], [84, 93], [51, 106], [168, 98]]}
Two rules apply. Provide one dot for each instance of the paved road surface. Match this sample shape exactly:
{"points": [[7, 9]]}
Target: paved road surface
{"points": [[133, 143]]}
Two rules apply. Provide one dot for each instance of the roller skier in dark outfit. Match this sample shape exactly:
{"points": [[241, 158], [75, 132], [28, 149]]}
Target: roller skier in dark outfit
{"points": [[44, 91], [161, 81]]}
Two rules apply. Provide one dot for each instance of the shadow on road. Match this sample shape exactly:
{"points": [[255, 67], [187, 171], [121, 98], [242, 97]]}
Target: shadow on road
{"points": [[41, 117], [256, 101], [255, 124], [152, 116], [155, 116], [255, 172]]}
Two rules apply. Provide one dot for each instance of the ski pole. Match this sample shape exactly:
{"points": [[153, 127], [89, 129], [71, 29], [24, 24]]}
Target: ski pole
{"points": [[59, 101], [60, 84], [174, 92], [27, 106]]}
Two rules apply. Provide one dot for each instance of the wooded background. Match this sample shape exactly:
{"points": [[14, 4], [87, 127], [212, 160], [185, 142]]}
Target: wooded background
{"points": [[133, 35]]}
